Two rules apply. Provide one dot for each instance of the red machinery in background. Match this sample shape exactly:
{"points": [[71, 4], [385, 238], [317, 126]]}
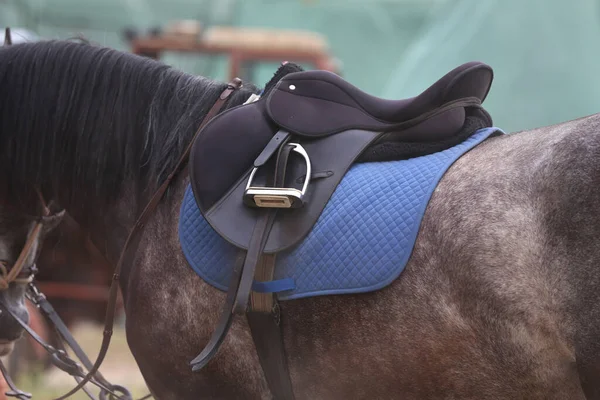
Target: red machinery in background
{"points": [[240, 45]]}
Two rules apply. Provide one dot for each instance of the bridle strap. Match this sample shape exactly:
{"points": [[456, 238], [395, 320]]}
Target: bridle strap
{"points": [[14, 390], [61, 360], [38, 299], [20, 263], [6, 277], [234, 85]]}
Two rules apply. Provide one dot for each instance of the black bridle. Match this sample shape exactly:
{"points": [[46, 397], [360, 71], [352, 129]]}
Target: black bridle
{"points": [[59, 356], [21, 274]]}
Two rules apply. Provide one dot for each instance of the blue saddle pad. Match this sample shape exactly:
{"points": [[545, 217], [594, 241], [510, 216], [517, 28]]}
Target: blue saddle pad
{"points": [[360, 243]]}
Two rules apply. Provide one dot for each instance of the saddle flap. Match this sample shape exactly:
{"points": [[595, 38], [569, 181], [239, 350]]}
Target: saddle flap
{"points": [[235, 221], [225, 148], [319, 103]]}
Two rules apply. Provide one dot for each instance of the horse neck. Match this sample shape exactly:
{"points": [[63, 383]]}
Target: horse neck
{"points": [[110, 223]]}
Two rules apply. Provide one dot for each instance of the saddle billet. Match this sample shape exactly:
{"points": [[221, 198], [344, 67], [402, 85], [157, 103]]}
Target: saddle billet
{"points": [[263, 172]]}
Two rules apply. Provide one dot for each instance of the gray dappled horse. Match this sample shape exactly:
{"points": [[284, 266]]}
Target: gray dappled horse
{"points": [[499, 299]]}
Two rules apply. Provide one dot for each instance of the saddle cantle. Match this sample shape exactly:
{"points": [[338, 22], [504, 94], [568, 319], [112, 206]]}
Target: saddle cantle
{"points": [[263, 172]]}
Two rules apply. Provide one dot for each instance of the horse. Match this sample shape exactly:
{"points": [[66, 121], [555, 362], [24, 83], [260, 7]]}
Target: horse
{"points": [[498, 300]]}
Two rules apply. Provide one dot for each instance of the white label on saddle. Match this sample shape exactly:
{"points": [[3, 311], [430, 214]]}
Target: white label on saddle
{"points": [[253, 97]]}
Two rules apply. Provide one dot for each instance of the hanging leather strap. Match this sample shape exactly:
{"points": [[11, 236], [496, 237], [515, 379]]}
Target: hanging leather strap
{"points": [[242, 277], [267, 333]]}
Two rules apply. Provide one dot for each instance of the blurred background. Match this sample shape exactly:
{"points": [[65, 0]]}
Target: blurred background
{"points": [[545, 55]]}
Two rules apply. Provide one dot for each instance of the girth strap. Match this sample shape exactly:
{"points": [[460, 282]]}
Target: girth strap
{"points": [[264, 319]]}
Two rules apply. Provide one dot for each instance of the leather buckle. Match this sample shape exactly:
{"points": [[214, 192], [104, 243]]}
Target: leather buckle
{"points": [[276, 197]]}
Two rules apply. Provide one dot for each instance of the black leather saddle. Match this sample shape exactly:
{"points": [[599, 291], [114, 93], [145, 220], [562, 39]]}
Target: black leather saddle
{"points": [[263, 172]]}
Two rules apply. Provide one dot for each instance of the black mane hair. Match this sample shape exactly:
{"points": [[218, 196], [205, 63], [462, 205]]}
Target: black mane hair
{"points": [[98, 118]]}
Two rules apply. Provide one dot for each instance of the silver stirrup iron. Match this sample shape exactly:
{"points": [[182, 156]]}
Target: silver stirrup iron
{"points": [[276, 197]]}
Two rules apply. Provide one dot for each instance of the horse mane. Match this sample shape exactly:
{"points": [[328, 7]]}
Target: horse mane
{"points": [[98, 118]]}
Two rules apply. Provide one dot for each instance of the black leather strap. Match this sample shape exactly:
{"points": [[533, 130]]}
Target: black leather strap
{"points": [[220, 332], [273, 146]]}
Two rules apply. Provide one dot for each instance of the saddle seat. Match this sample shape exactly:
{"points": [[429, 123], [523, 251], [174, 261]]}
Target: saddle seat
{"points": [[317, 103], [468, 80]]}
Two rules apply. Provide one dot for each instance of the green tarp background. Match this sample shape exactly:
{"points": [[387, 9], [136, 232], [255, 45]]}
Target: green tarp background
{"points": [[545, 53]]}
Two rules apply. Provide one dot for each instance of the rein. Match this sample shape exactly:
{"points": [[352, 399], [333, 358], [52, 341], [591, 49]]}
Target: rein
{"points": [[59, 357]]}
